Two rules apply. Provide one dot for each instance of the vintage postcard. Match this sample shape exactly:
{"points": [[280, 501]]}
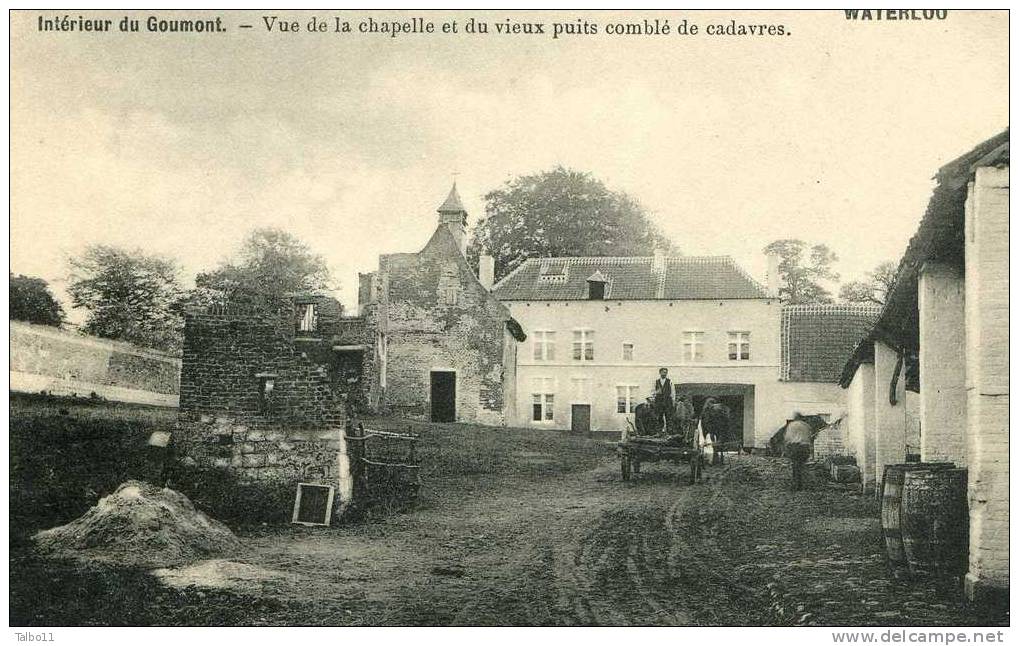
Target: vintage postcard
{"points": [[367, 317]]}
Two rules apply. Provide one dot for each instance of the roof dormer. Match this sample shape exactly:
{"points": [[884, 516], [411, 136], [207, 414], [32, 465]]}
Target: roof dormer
{"points": [[596, 286]]}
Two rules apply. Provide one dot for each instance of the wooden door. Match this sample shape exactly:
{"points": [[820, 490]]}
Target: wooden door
{"points": [[443, 396], [580, 418]]}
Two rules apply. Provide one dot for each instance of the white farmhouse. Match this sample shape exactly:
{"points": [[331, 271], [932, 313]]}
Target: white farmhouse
{"points": [[599, 328]]}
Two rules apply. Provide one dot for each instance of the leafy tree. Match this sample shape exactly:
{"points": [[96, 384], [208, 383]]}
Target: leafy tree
{"points": [[130, 296], [874, 289], [31, 300], [562, 212], [803, 277], [271, 264]]}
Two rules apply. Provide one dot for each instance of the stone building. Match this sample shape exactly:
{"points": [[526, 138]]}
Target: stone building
{"points": [[446, 348], [600, 327], [949, 307], [265, 396]]}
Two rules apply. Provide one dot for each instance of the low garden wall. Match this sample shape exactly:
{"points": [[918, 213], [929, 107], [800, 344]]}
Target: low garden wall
{"points": [[61, 362]]}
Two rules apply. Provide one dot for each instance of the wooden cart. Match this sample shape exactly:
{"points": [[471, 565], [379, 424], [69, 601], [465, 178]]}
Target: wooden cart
{"points": [[634, 450]]}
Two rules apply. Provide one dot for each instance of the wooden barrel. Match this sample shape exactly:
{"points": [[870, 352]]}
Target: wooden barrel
{"points": [[891, 499], [935, 521]]}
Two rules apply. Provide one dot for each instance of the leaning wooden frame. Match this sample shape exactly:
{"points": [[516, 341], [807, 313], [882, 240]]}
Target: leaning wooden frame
{"points": [[299, 517]]}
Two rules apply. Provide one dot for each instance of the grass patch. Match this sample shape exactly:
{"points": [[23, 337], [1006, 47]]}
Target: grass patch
{"points": [[66, 454], [459, 451]]}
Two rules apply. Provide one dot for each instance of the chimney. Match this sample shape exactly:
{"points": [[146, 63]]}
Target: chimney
{"points": [[486, 271], [774, 278]]}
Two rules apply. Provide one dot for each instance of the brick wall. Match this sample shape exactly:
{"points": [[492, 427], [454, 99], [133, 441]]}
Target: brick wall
{"points": [[65, 363], [830, 442], [225, 423], [987, 378], [437, 316], [941, 299]]}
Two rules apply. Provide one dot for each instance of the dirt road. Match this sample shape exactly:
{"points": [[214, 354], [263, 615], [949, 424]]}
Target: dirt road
{"points": [[587, 549], [514, 527]]}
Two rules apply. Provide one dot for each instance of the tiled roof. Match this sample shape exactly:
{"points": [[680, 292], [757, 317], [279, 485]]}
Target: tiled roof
{"points": [[816, 339], [630, 278]]}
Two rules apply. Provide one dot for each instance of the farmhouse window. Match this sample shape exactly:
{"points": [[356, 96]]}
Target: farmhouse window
{"points": [[739, 346], [544, 345], [693, 346], [626, 398], [543, 400], [583, 345], [450, 295], [627, 351], [307, 320]]}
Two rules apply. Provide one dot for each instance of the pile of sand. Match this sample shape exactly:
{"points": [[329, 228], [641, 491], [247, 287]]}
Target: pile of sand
{"points": [[221, 573], [141, 524]]}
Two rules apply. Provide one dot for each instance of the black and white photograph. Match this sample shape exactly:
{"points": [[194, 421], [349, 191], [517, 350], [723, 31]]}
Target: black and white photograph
{"points": [[494, 317]]}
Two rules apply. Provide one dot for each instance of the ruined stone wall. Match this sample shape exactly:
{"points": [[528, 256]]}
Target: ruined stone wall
{"points": [[438, 317], [354, 371], [225, 423]]}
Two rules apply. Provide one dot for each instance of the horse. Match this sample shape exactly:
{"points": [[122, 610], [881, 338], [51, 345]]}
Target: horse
{"points": [[715, 422], [644, 419]]}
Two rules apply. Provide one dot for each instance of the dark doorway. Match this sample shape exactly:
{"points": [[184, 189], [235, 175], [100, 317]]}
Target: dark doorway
{"points": [[443, 396], [580, 418]]}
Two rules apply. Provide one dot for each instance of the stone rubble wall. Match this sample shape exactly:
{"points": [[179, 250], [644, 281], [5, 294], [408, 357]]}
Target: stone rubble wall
{"points": [[223, 422]]}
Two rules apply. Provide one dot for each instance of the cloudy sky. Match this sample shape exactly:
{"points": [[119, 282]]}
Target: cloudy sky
{"points": [[179, 144]]}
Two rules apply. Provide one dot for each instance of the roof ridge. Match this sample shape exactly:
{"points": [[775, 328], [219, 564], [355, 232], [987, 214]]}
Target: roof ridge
{"points": [[721, 257], [828, 307]]}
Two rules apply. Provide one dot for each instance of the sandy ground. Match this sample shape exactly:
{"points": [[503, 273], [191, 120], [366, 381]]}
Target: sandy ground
{"points": [[588, 549]]}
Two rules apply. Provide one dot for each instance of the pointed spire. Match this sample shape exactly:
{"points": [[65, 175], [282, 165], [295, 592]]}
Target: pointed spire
{"points": [[452, 203], [453, 215]]}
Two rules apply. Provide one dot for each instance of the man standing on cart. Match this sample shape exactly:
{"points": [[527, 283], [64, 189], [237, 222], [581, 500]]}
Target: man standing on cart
{"points": [[664, 403]]}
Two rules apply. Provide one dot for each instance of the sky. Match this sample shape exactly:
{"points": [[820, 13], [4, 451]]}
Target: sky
{"points": [[179, 144]]}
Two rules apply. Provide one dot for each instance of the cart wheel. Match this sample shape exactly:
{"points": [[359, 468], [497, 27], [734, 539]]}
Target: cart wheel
{"points": [[636, 466], [624, 463]]}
